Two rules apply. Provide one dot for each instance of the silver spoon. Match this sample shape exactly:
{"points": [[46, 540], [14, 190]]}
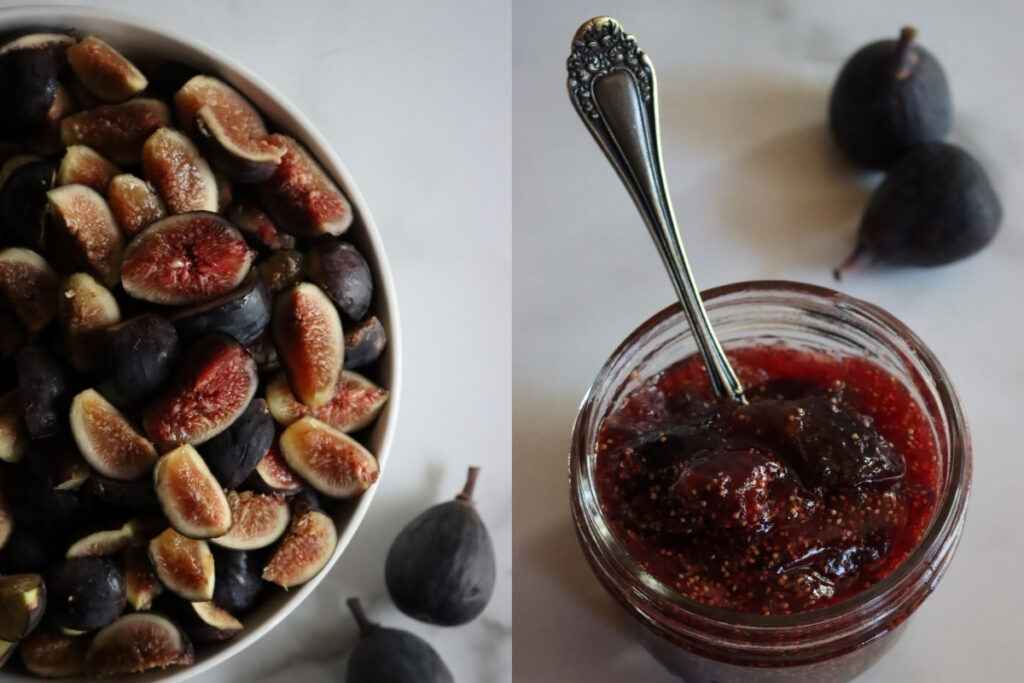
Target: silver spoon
{"points": [[614, 90]]}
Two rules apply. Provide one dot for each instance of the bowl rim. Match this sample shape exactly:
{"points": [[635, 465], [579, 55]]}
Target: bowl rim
{"points": [[40, 15]]}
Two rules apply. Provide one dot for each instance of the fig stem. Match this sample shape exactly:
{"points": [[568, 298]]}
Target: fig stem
{"points": [[355, 605], [848, 262], [905, 58], [466, 496]]}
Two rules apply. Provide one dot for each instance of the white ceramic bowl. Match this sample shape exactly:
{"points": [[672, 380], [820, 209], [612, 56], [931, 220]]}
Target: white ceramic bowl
{"points": [[137, 40]]}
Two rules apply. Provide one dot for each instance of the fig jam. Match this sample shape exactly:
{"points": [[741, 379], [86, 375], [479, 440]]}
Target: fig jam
{"points": [[814, 491]]}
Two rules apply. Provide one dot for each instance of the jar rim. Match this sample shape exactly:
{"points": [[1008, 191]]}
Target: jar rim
{"points": [[946, 520]]}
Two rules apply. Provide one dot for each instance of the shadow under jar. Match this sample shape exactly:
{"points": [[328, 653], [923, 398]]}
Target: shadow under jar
{"points": [[830, 644]]}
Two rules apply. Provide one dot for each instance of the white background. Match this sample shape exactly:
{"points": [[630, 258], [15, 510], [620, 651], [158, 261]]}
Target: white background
{"points": [[418, 111], [759, 194]]}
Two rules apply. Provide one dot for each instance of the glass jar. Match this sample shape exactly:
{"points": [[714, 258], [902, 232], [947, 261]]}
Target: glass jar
{"points": [[702, 644]]}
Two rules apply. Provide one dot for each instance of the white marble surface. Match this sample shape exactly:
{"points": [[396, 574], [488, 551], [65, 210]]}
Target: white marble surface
{"points": [[418, 110], [760, 194]]}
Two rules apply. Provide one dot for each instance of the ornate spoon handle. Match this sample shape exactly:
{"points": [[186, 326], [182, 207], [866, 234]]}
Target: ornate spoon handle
{"points": [[614, 90]]}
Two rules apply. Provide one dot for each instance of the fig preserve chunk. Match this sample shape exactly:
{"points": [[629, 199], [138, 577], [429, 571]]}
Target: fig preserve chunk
{"points": [[813, 491]]}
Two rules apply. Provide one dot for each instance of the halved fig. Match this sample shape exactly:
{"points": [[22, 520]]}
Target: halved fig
{"points": [[69, 470], [83, 165], [308, 334], [6, 520], [242, 314], [23, 200], [86, 308], [117, 131], [51, 654], [43, 389], [179, 172], [95, 242], [110, 541], [104, 71], [301, 197], [258, 226], [185, 259], [305, 550], [45, 138], [331, 462], [341, 271], [85, 593], [214, 385], [364, 343], [191, 497], [233, 454], [29, 286], [29, 68], [205, 622], [7, 650], [127, 496], [22, 603], [239, 583], [136, 643], [273, 474], [282, 269], [141, 585], [184, 565], [13, 437], [107, 440], [258, 520], [142, 353], [134, 203], [357, 402]]}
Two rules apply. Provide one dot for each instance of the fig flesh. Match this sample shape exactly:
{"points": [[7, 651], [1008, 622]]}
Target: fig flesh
{"points": [[22, 603], [185, 259], [309, 338], [86, 223], [179, 173], [191, 497], [23, 200], [273, 475], [331, 462], [6, 520], [441, 568], [213, 387], [343, 274], [142, 586], [364, 343], [29, 69], [306, 548], [43, 388], [184, 565], [86, 308], [242, 314], [234, 453], [357, 402], [134, 203], [136, 643], [29, 286], [104, 71], [206, 622], [50, 654], [142, 353], [82, 165], [238, 582], [85, 593], [107, 440], [117, 131], [13, 437], [388, 654], [257, 520], [108, 542]]}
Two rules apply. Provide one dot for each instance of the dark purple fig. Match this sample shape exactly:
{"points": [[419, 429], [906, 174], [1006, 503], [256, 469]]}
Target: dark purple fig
{"points": [[257, 520], [191, 497], [184, 565], [331, 462], [357, 402], [47, 496], [13, 436], [306, 548], [28, 285], [85, 593], [107, 440], [264, 353], [82, 165], [22, 603], [125, 496], [259, 227], [50, 654], [273, 475], [936, 206], [141, 584], [29, 69], [225, 192], [242, 314], [13, 336], [179, 173], [104, 71], [234, 453], [214, 385], [890, 96], [282, 269], [301, 197], [167, 78], [86, 308], [185, 259], [364, 343], [238, 583], [86, 226], [142, 353], [309, 339], [341, 271], [117, 131], [441, 568], [134, 203], [388, 654], [44, 391], [27, 551], [45, 139], [136, 643], [23, 201], [204, 622]]}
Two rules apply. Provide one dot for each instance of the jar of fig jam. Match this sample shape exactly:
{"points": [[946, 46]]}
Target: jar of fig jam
{"points": [[704, 643]]}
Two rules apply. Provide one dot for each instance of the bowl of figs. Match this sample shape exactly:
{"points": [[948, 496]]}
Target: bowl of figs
{"points": [[199, 352]]}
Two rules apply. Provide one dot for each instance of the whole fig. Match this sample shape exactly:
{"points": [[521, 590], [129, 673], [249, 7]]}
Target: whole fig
{"points": [[389, 655]]}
